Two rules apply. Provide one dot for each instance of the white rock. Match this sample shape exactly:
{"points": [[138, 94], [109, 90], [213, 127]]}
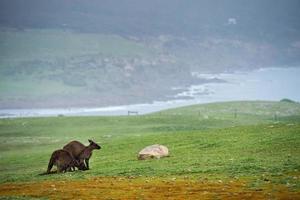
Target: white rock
{"points": [[153, 151]]}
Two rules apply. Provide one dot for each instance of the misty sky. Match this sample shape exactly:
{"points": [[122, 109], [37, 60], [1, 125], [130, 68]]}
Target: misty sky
{"points": [[265, 19]]}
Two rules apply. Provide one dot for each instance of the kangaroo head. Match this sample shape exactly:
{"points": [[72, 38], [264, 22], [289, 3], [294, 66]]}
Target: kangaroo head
{"points": [[94, 145]]}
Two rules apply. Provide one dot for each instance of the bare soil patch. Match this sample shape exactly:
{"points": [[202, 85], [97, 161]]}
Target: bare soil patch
{"points": [[145, 188]]}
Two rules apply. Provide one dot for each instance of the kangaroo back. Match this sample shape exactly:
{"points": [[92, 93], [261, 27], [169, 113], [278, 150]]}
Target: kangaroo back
{"points": [[74, 148]]}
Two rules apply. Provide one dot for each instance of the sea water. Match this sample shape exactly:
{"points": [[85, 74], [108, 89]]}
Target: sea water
{"points": [[262, 84]]}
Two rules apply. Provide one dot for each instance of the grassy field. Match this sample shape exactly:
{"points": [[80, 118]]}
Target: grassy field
{"points": [[257, 143]]}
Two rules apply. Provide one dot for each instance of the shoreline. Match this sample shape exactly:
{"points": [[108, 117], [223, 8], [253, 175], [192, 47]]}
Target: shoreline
{"points": [[259, 84]]}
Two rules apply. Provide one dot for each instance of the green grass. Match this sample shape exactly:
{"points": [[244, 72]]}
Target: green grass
{"points": [[218, 146]]}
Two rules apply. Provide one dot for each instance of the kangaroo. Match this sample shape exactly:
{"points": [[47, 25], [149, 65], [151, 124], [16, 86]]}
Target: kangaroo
{"points": [[81, 152], [64, 161]]}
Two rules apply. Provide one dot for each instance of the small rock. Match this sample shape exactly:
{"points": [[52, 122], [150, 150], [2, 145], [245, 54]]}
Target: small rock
{"points": [[153, 151]]}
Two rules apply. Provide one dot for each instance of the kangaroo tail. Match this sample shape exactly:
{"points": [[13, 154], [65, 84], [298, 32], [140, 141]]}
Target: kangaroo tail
{"points": [[51, 163], [44, 173]]}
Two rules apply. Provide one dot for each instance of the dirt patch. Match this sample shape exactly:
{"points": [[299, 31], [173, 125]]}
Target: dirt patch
{"points": [[144, 188]]}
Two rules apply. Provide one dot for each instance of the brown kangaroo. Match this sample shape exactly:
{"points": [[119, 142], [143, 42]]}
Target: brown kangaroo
{"points": [[64, 161], [81, 152]]}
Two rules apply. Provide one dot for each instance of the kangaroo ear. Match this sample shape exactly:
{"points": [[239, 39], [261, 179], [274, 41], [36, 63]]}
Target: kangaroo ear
{"points": [[90, 141]]}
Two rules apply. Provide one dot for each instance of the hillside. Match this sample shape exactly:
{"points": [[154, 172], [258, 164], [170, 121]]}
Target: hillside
{"points": [[252, 151], [53, 68], [247, 109], [103, 53], [62, 68]]}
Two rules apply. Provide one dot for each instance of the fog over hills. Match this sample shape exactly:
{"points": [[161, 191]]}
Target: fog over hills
{"points": [[62, 53], [259, 20]]}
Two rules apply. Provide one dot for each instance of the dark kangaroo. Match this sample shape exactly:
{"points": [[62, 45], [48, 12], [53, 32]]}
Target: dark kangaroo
{"points": [[64, 161], [81, 152]]}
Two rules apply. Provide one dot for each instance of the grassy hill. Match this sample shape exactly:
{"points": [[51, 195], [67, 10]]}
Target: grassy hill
{"points": [[219, 143], [214, 144], [243, 111]]}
